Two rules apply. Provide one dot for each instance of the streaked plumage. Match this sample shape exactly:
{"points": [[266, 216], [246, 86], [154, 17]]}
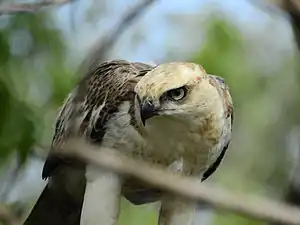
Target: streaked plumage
{"points": [[173, 114]]}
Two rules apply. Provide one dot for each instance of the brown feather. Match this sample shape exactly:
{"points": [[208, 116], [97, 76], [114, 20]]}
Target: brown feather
{"points": [[61, 201]]}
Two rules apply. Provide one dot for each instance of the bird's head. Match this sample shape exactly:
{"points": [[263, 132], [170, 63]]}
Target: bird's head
{"points": [[179, 91]]}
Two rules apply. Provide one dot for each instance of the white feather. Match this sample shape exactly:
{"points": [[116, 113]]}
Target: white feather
{"points": [[101, 200], [176, 211], [103, 187]]}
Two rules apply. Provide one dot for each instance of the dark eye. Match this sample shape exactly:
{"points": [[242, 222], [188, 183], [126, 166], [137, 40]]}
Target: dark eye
{"points": [[221, 80], [177, 94]]}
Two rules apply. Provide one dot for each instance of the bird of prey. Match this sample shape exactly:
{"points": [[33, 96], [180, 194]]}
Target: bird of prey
{"points": [[174, 115]]}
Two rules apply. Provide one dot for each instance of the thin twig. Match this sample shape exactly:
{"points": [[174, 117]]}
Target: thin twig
{"points": [[14, 8], [102, 45], [258, 208], [292, 8], [11, 180], [270, 8]]}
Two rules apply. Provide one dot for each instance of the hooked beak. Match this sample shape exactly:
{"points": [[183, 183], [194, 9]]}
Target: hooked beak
{"points": [[147, 111]]}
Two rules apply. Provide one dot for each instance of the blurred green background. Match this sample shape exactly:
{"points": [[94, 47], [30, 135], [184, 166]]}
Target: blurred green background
{"points": [[253, 49]]}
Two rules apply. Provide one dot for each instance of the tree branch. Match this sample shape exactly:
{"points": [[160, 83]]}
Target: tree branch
{"points": [[13, 8], [101, 47], [11, 179], [292, 8], [188, 187]]}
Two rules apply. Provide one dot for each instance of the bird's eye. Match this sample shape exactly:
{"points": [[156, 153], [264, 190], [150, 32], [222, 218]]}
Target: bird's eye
{"points": [[220, 79], [177, 94]]}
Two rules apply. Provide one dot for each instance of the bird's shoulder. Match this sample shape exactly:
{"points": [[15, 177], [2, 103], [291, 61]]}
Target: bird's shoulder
{"points": [[93, 101], [222, 145]]}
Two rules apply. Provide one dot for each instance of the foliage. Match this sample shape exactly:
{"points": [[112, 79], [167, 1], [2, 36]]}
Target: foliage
{"points": [[32, 57]]}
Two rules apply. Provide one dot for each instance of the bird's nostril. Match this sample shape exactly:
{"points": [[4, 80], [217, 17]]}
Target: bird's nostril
{"points": [[150, 102]]}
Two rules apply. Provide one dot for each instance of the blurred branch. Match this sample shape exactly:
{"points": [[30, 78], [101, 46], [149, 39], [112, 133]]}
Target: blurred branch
{"points": [[188, 187], [101, 47], [292, 7], [13, 8], [267, 5], [11, 179]]}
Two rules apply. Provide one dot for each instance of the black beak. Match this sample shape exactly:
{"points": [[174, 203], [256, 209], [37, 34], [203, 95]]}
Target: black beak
{"points": [[147, 111]]}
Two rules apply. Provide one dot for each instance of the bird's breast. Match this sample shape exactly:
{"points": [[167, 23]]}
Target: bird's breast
{"points": [[163, 142], [170, 141]]}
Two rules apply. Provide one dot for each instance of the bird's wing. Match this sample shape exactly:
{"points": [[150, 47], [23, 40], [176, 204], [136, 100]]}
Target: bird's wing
{"points": [[225, 139], [92, 103], [85, 112]]}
